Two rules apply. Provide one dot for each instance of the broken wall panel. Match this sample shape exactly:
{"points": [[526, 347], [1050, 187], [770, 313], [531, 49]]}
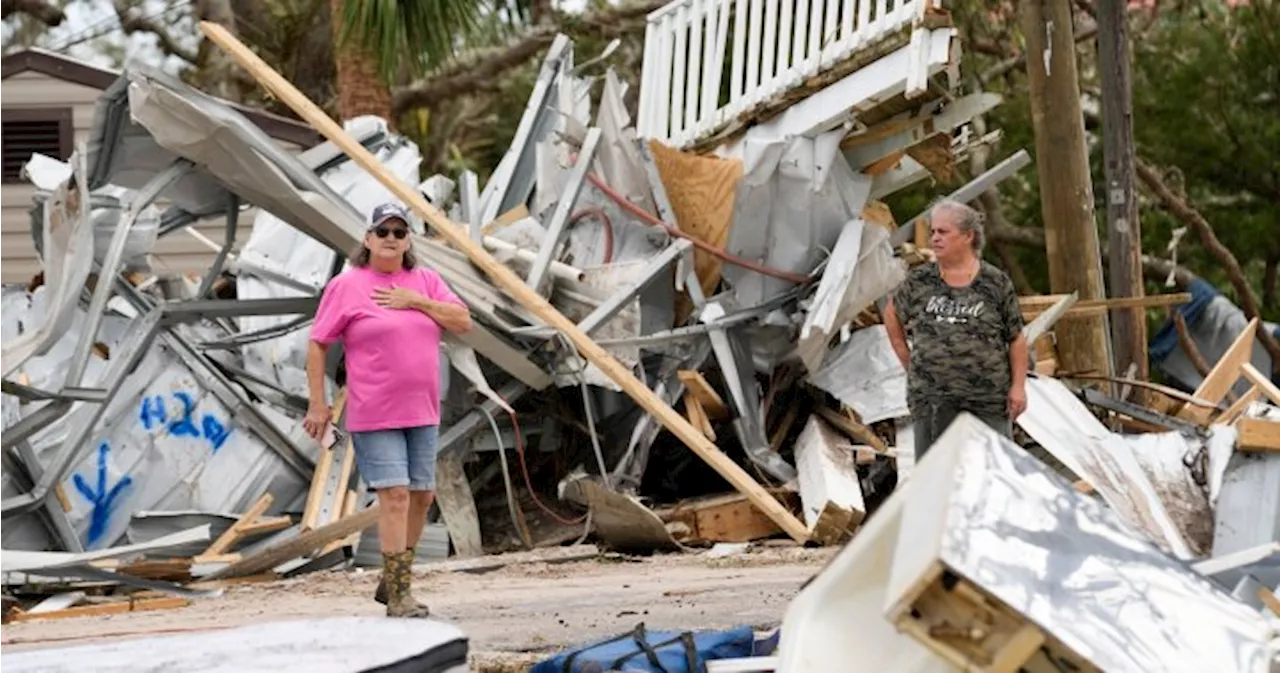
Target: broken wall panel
{"points": [[865, 374], [1143, 477], [875, 274], [68, 251], [165, 441], [108, 206], [830, 491], [1248, 509], [794, 199]]}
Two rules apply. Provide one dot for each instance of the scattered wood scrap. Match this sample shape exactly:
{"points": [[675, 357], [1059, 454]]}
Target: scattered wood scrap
{"points": [[1257, 434], [240, 529], [307, 543], [720, 518], [112, 608]]}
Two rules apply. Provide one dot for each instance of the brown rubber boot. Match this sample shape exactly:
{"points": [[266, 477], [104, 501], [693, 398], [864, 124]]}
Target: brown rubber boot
{"points": [[398, 571], [380, 594]]}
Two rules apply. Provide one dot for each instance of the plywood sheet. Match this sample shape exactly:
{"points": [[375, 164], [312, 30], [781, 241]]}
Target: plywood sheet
{"points": [[701, 190]]}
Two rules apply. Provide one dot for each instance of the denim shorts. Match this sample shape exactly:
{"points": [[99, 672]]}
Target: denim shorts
{"points": [[398, 457]]}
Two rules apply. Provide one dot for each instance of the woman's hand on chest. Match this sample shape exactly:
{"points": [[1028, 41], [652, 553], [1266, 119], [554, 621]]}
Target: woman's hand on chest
{"points": [[397, 298]]}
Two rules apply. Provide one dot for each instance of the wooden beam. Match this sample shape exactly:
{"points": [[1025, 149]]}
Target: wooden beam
{"points": [[236, 531], [167, 603], [711, 401], [698, 415], [853, 428], [720, 518], [271, 525], [1237, 408], [1224, 374], [1124, 230], [506, 279], [1040, 302], [1262, 381], [1257, 434], [302, 545]]}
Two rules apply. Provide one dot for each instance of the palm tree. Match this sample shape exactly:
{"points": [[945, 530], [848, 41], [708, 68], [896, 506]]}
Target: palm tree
{"points": [[377, 40]]}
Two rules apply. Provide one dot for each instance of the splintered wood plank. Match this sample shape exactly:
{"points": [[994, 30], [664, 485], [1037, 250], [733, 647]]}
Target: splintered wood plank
{"points": [[1224, 374], [711, 401], [300, 546], [701, 190], [784, 427], [1269, 598], [349, 504], [167, 603], [271, 525], [934, 153], [458, 504], [233, 534], [1040, 302], [721, 518], [1238, 407], [1262, 382], [878, 213], [315, 496], [884, 165], [217, 558], [506, 279], [698, 416], [1018, 650], [1257, 434], [506, 219], [853, 428]]}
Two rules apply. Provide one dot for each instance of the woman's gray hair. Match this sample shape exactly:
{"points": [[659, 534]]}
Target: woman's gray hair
{"points": [[360, 257], [965, 218]]}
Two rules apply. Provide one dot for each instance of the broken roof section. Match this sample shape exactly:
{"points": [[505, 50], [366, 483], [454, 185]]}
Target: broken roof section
{"points": [[69, 69]]}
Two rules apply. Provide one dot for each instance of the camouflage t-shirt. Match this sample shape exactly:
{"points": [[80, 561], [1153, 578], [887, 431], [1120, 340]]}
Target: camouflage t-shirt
{"points": [[959, 339]]}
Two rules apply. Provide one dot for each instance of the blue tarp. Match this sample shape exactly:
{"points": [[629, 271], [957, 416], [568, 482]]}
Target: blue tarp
{"points": [[1213, 323], [646, 651]]}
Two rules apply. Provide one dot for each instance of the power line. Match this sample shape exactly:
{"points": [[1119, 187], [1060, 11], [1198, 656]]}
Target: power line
{"points": [[89, 34]]}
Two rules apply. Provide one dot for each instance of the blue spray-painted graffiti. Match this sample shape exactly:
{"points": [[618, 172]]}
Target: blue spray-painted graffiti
{"points": [[99, 496], [184, 427], [153, 415]]}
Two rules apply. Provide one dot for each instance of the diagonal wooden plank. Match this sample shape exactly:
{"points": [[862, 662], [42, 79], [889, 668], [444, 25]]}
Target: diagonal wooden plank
{"points": [[507, 280]]}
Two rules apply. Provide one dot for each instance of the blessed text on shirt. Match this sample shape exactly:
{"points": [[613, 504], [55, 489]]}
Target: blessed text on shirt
{"points": [[960, 338]]}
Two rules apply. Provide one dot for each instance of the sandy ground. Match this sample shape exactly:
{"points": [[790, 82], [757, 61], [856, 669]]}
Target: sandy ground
{"points": [[532, 608]]}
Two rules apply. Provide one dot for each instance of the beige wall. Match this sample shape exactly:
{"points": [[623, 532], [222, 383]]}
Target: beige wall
{"points": [[176, 253]]}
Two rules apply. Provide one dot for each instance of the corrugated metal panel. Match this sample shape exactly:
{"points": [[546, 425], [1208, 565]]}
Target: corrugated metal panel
{"points": [[166, 442]]}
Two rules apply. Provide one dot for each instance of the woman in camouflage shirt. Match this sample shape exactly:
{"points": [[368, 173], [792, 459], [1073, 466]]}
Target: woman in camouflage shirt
{"points": [[961, 316]]}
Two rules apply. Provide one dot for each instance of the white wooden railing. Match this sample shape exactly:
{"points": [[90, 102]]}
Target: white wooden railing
{"points": [[771, 46]]}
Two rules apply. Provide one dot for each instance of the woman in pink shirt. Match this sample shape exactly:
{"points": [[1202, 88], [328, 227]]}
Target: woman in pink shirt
{"points": [[388, 311]]}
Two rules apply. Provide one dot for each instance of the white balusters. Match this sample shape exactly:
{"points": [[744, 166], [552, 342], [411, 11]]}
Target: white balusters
{"points": [[772, 46]]}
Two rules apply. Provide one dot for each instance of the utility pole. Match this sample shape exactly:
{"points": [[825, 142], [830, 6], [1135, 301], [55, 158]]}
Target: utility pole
{"points": [[1066, 191], [1124, 233]]}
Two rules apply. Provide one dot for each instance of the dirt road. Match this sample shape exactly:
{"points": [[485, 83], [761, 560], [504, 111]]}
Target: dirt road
{"points": [[533, 608]]}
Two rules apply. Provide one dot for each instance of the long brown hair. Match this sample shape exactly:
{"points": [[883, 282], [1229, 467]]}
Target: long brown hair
{"points": [[360, 257]]}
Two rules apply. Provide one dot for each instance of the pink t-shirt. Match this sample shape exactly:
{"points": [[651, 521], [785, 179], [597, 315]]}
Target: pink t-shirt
{"points": [[392, 355]]}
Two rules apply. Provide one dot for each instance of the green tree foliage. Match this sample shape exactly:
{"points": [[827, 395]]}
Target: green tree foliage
{"points": [[1207, 108]]}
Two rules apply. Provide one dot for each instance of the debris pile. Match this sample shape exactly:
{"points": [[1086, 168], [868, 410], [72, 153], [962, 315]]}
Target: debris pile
{"points": [[152, 425]]}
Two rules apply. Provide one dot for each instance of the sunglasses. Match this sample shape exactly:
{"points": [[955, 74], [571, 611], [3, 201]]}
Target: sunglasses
{"points": [[383, 232]]}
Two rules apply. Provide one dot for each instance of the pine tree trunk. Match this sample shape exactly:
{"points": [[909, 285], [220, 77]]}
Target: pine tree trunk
{"points": [[360, 90]]}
